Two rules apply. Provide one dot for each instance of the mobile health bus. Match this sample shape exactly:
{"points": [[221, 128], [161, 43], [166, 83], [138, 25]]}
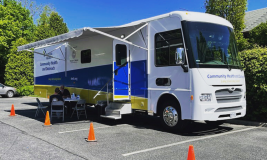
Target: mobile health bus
{"points": [[179, 66]]}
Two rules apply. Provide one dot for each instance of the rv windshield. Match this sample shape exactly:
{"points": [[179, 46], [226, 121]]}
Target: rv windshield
{"points": [[210, 45]]}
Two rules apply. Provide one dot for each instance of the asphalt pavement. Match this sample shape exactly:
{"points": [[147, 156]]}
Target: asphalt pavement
{"points": [[133, 137]]}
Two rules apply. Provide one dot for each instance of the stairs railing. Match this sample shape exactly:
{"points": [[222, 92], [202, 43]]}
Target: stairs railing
{"points": [[98, 93]]}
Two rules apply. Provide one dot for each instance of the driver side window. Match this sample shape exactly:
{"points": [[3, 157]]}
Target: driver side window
{"points": [[166, 44]]}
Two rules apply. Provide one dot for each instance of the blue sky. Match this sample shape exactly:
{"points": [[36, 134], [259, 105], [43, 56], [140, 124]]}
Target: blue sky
{"points": [[102, 13]]}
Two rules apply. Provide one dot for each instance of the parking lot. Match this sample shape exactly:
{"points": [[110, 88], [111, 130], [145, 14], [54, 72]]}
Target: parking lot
{"points": [[133, 137]]}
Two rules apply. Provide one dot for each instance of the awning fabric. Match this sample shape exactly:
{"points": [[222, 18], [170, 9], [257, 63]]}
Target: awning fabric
{"points": [[72, 34]]}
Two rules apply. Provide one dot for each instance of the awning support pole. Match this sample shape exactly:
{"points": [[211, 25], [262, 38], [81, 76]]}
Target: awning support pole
{"points": [[111, 36], [43, 54], [135, 31]]}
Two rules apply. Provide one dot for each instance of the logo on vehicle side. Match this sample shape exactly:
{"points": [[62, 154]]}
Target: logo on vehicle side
{"points": [[73, 54]]}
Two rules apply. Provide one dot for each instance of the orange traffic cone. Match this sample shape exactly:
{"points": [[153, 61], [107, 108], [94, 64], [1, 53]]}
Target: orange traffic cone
{"points": [[12, 112], [91, 135], [191, 154], [47, 119]]}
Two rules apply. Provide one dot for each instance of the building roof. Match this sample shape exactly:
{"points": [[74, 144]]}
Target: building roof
{"points": [[254, 18]]}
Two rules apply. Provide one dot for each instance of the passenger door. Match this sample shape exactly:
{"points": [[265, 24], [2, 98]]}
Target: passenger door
{"points": [[121, 71], [2, 89]]}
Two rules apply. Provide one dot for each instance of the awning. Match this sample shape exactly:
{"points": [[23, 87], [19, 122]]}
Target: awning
{"points": [[87, 31]]}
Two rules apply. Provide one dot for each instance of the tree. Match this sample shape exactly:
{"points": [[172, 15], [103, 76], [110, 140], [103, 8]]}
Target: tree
{"points": [[34, 8], [233, 11], [19, 68], [258, 34], [57, 24], [49, 24], [15, 22]]}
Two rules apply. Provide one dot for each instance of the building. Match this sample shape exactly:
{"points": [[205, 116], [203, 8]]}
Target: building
{"points": [[253, 19]]}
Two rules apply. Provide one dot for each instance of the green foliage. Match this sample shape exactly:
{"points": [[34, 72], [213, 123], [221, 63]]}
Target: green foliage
{"points": [[15, 22], [254, 62], [234, 12], [19, 69], [259, 34], [57, 24], [50, 24], [25, 90]]}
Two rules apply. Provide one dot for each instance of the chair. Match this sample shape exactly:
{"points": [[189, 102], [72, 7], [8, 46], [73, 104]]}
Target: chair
{"points": [[40, 107], [80, 106], [57, 107]]}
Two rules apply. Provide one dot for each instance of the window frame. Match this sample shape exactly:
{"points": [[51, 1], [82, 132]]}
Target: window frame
{"points": [[178, 44], [116, 53], [83, 58]]}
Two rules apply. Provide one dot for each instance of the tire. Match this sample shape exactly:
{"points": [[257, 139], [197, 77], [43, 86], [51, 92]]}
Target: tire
{"points": [[214, 123], [170, 115], [10, 94]]}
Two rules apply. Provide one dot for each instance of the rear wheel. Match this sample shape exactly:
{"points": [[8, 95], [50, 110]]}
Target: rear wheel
{"points": [[171, 116], [214, 123], [10, 94]]}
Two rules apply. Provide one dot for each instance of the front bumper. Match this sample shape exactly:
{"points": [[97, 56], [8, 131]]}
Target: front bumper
{"points": [[212, 112]]}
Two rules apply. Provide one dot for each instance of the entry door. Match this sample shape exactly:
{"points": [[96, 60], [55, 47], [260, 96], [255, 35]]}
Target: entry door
{"points": [[121, 71]]}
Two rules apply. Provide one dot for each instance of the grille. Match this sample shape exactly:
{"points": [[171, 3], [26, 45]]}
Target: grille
{"points": [[225, 109], [228, 95]]}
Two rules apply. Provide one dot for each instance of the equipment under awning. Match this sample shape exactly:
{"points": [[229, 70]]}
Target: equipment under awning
{"points": [[87, 31]]}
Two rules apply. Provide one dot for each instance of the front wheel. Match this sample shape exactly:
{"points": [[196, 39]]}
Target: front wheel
{"points": [[10, 94], [171, 116]]}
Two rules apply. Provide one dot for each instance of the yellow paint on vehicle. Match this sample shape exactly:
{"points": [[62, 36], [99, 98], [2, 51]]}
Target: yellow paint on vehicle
{"points": [[120, 97], [88, 95], [139, 103]]}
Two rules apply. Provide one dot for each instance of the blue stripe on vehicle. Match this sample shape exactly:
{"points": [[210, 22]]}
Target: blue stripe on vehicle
{"points": [[94, 78], [139, 79], [121, 80]]}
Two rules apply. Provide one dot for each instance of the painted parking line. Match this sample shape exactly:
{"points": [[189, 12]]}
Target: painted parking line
{"points": [[94, 128], [182, 142]]}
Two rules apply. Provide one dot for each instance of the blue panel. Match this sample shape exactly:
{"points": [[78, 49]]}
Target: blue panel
{"points": [[93, 78], [139, 79], [121, 80]]}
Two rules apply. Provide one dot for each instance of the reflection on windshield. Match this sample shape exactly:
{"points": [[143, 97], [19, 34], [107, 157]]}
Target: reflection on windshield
{"points": [[211, 45]]}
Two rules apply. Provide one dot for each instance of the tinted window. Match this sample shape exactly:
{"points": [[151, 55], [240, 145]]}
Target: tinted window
{"points": [[163, 81], [210, 45], [121, 54], [166, 44], [86, 56]]}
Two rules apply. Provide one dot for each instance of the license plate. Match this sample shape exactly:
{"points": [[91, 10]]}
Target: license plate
{"points": [[232, 115]]}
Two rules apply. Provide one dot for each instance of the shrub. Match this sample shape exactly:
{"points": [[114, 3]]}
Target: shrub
{"points": [[258, 34], [254, 62], [25, 90]]}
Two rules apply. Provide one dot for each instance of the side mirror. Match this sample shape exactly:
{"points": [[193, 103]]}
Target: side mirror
{"points": [[180, 58]]}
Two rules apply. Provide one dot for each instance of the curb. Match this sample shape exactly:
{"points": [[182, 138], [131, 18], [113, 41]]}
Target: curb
{"points": [[246, 123]]}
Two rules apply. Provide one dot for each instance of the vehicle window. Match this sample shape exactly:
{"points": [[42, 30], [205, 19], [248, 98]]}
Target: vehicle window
{"points": [[121, 54], [86, 56], [163, 82], [1, 85], [166, 44]]}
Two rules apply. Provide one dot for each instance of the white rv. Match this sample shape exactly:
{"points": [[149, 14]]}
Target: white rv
{"points": [[179, 66]]}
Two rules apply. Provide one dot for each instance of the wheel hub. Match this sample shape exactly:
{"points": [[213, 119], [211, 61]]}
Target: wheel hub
{"points": [[170, 116]]}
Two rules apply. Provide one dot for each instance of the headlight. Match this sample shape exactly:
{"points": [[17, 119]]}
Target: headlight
{"points": [[205, 97]]}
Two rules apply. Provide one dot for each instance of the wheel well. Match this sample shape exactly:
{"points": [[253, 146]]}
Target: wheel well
{"points": [[167, 97], [9, 90]]}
